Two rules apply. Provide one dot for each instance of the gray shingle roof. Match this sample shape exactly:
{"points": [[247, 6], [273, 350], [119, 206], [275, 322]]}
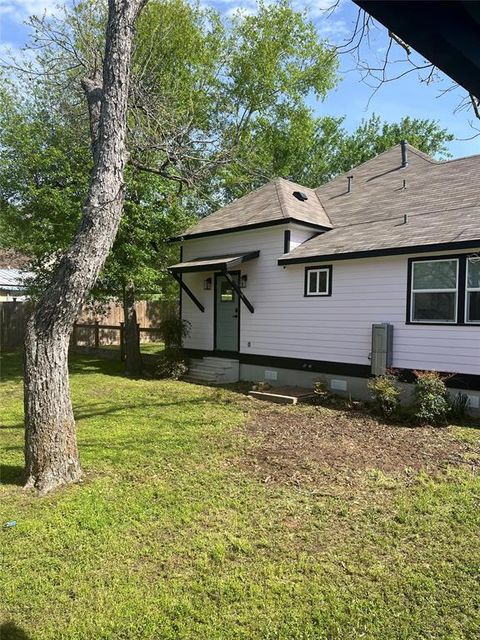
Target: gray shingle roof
{"points": [[13, 279], [272, 203], [441, 200]]}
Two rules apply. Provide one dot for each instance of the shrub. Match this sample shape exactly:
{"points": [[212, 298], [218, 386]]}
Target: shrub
{"points": [[173, 331], [320, 389], [459, 405], [431, 405], [261, 386], [172, 363], [385, 394]]}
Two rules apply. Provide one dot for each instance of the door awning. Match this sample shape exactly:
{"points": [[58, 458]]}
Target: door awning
{"points": [[213, 263]]}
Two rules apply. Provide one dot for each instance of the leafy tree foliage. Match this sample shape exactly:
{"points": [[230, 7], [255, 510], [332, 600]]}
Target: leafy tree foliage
{"points": [[311, 150], [216, 107]]}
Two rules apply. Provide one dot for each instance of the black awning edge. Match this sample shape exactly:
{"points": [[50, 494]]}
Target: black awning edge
{"points": [[214, 263]]}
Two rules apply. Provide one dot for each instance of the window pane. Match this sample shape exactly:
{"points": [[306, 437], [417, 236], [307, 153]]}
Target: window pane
{"points": [[473, 306], [322, 282], [436, 307], [226, 292], [312, 281], [435, 275], [473, 275]]}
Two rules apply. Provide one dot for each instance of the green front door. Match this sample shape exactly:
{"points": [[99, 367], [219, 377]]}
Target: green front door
{"points": [[227, 311]]}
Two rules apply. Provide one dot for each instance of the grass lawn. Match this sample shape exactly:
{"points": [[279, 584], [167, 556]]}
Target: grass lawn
{"points": [[180, 531], [145, 347]]}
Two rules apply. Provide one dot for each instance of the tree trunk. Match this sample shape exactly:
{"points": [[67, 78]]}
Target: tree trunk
{"points": [[51, 455], [133, 357]]}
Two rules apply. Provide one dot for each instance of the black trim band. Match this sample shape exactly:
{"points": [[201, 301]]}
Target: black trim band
{"points": [[319, 366], [374, 253], [456, 381], [247, 227]]}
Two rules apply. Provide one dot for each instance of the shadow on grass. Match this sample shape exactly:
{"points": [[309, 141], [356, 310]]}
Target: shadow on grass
{"points": [[11, 368], [103, 409], [11, 474], [11, 631]]}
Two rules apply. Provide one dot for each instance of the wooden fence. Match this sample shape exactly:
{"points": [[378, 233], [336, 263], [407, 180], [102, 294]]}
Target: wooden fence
{"points": [[96, 336], [13, 318], [100, 329], [150, 313]]}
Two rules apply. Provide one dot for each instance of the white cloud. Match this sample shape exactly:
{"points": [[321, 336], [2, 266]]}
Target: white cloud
{"points": [[241, 10], [315, 8], [333, 28], [22, 9], [318, 8]]}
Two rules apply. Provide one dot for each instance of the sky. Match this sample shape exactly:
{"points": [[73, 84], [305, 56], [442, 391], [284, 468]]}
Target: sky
{"points": [[352, 98]]}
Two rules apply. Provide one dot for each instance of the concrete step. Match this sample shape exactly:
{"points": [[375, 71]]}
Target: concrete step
{"points": [[213, 370], [197, 380], [199, 373], [209, 369], [220, 362]]}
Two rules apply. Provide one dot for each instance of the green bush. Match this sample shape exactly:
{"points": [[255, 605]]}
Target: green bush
{"points": [[385, 394], [173, 331], [431, 405], [172, 364], [459, 405]]}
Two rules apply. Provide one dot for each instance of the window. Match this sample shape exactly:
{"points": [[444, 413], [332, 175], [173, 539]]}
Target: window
{"points": [[318, 281], [472, 292], [226, 291], [434, 292]]}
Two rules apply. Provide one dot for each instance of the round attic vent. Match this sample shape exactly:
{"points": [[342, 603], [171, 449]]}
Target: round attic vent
{"points": [[300, 195]]}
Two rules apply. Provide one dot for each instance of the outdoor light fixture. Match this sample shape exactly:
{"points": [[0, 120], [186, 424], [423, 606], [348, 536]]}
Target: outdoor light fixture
{"points": [[207, 284], [243, 281]]}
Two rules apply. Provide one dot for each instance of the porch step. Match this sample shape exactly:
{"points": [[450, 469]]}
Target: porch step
{"points": [[213, 370]]}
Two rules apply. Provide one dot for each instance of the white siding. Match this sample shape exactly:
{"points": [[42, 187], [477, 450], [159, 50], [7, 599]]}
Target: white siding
{"points": [[336, 328], [298, 236]]}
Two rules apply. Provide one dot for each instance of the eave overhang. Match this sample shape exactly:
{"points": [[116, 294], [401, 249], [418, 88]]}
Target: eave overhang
{"points": [[446, 33], [374, 253], [213, 263], [249, 227]]}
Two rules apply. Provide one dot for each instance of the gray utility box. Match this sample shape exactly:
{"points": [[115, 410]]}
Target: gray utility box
{"points": [[382, 346]]}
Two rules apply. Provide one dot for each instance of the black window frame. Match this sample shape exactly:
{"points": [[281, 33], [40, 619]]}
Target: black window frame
{"points": [[461, 291], [324, 267], [467, 291]]}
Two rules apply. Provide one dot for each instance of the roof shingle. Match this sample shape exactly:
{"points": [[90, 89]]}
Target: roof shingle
{"points": [[441, 201], [272, 203]]}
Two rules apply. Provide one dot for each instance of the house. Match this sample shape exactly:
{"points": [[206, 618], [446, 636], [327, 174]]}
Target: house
{"points": [[12, 277], [377, 268]]}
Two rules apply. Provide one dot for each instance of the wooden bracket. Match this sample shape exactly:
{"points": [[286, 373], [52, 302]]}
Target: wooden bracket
{"points": [[239, 292], [188, 291]]}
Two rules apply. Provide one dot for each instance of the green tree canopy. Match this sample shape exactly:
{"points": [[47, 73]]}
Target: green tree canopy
{"points": [[199, 86]]}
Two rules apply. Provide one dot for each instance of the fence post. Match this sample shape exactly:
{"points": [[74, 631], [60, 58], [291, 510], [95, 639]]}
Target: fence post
{"points": [[122, 341], [138, 335], [97, 335], [74, 335]]}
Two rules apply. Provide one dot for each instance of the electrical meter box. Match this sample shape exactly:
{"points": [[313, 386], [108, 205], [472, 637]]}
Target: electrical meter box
{"points": [[382, 345]]}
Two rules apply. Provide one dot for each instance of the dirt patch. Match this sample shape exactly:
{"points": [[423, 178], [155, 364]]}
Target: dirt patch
{"points": [[302, 445]]}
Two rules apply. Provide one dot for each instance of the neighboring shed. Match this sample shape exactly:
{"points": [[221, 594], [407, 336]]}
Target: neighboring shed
{"points": [[13, 285]]}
